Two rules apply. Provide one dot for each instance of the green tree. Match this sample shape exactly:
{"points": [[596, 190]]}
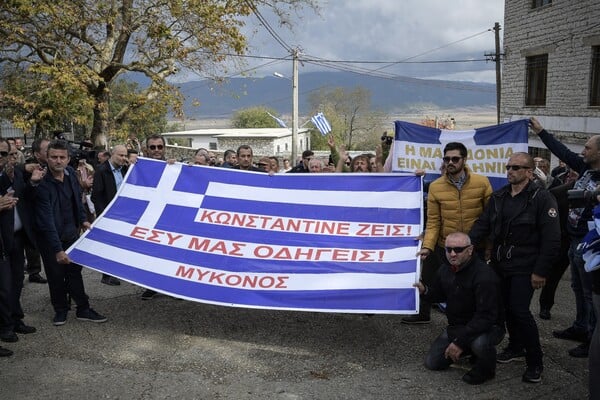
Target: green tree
{"points": [[145, 117], [254, 117], [349, 113], [93, 42], [33, 99]]}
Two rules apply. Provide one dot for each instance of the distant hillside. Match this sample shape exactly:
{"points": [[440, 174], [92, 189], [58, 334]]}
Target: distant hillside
{"points": [[206, 99]]}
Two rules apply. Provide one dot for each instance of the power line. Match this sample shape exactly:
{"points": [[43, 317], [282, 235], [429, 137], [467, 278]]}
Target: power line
{"points": [[268, 27]]}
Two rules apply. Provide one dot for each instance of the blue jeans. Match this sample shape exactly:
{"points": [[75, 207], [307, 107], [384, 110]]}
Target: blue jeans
{"points": [[520, 324], [581, 283], [483, 348]]}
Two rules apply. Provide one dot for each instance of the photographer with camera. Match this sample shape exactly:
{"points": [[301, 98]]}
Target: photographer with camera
{"points": [[580, 213]]}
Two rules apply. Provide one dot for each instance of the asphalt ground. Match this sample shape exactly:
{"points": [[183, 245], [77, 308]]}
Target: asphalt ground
{"points": [[166, 348]]}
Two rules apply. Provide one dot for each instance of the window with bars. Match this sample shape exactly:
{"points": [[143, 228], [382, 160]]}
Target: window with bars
{"points": [[540, 3], [537, 71], [595, 78]]}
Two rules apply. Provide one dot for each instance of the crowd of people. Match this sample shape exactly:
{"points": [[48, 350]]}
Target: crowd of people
{"points": [[484, 252]]}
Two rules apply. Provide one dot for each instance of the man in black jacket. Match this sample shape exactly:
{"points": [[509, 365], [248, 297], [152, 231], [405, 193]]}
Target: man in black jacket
{"points": [[472, 293], [107, 180], [19, 225], [59, 217], [580, 213], [521, 223]]}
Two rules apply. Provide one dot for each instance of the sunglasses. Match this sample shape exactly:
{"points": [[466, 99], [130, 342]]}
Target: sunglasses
{"points": [[457, 249], [4, 153], [454, 159], [156, 146], [516, 167]]}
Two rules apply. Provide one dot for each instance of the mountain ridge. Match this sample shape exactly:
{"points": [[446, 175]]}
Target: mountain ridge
{"points": [[209, 99]]}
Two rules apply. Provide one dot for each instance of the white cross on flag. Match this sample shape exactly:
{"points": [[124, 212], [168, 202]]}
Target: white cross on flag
{"points": [[321, 123]]}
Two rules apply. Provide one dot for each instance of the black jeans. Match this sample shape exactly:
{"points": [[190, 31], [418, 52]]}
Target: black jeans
{"points": [[483, 348], [63, 279], [520, 324]]}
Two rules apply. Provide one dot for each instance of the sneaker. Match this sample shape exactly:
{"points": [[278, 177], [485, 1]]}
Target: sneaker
{"points": [[60, 318], [571, 333], [90, 315], [442, 307], [110, 280], [37, 278], [581, 351], [545, 313], [5, 352], [148, 294], [416, 319], [20, 327], [9, 337], [533, 375], [509, 355], [474, 377]]}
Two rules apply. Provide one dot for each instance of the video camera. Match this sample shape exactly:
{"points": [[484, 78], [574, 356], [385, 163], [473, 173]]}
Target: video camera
{"points": [[78, 150], [579, 198], [387, 140]]}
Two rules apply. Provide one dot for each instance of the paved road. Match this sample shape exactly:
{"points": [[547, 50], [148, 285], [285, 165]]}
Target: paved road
{"points": [[171, 349]]}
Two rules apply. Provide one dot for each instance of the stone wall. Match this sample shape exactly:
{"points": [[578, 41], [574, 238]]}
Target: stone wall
{"points": [[566, 31]]}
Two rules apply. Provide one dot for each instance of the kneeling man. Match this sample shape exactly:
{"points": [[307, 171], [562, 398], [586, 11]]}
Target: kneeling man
{"points": [[472, 291]]}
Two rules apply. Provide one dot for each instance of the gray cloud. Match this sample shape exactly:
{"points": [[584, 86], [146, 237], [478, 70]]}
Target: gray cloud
{"points": [[389, 30]]}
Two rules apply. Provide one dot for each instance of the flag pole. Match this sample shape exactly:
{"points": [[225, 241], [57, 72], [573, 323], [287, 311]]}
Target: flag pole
{"points": [[294, 107]]}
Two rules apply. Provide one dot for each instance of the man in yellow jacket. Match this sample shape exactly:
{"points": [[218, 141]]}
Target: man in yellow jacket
{"points": [[455, 201]]}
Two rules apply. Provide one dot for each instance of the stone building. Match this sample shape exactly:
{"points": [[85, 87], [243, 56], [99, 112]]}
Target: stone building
{"points": [[551, 68], [264, 141]]}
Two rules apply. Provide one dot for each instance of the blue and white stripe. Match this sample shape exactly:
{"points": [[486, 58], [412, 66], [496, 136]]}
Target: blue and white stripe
{"points": [[321, 123], [156, 233]]}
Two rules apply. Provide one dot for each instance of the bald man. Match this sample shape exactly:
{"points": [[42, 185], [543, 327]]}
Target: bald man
{"points": [[107, 180]]}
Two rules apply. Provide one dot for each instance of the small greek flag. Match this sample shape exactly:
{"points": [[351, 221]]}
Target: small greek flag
{"points": [[321, 123], [279, 120]]}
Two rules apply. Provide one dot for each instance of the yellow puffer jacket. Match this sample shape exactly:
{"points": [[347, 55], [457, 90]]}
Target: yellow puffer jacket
{"points": [[450, 210]]}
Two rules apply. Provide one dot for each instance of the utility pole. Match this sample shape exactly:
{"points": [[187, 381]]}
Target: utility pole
{"points": [[496, 57], [294, 107]]}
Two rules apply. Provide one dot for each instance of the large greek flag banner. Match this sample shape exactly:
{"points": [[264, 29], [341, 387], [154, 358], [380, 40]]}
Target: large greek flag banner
{"points": [[421, 147], [311, 242]]}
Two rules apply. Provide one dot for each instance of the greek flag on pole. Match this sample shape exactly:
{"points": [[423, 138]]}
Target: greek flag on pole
{"points": [[279, 120], [321, 123], [421, 147], [311, 242]]}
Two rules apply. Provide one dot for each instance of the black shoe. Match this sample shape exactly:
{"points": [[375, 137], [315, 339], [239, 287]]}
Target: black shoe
{"points": [[20, 327], [509, 355], [148, 294], [37, 278], [90, 315], [571, 333], [474, 377], [110, 280], [416, 319], [581, 351], [545, 313], [60, 318], [533, 375], [5, 352], [9, 337]]}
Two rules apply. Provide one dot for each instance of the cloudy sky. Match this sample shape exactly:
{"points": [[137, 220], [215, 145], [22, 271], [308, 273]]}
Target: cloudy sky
{"points": [[386, 31]]}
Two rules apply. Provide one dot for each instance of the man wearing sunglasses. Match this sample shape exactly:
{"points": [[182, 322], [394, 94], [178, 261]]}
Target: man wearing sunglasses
{"points": [[473, 312], [521, 223], [454, 202]]}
